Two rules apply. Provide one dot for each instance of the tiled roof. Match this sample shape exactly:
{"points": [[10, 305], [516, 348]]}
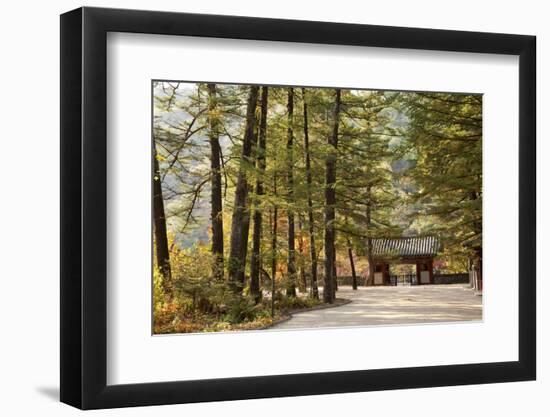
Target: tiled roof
{"points": [[406, 246]]}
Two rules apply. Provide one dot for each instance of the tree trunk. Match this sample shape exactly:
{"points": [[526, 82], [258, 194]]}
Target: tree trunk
{"points": [[161, 236], [478, 230], [273, 218], [244, 248], [291, 271], [330, 201], [479, 267], [241, 215], [352, 265], [334, 271], [216, 185], [370, 258], [312, 250], [257, 232], [303, 280], [274, 244]]}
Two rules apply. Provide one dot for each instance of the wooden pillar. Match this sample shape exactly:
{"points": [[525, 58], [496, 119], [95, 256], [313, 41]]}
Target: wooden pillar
{"points": [[431, 270], [383, 270], [418, 273]]}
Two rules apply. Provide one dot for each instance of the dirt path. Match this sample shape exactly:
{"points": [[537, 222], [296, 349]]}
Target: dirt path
{"points": [[393, 305]]}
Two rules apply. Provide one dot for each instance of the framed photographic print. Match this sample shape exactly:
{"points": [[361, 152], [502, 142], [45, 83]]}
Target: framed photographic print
{"points": [[256, 208]]}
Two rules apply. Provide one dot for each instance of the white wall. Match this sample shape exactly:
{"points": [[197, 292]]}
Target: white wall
{"points": [[29, 225]]}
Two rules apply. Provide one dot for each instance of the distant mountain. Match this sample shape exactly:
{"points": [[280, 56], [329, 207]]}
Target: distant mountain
{"points": [[401, 165]]}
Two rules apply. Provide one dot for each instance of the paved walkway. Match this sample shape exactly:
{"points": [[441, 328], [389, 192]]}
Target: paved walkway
{"points": [[393, 305]]}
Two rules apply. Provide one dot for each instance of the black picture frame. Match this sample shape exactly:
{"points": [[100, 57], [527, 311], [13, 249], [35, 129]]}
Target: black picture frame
{"points": [[84, 207]]}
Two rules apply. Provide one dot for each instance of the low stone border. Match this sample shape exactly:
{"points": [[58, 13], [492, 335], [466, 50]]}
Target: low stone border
{"points": [[337, 303]]}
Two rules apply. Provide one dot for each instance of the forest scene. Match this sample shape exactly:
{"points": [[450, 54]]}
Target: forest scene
{"points": [[278, 207]]}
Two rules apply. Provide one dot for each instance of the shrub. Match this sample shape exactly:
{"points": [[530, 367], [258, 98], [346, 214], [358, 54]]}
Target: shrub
{"points": [[295, 303], [240, 309], [194, 286]]}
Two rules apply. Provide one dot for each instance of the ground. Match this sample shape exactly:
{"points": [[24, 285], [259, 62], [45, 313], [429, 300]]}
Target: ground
{"points": [[393, 305]]}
